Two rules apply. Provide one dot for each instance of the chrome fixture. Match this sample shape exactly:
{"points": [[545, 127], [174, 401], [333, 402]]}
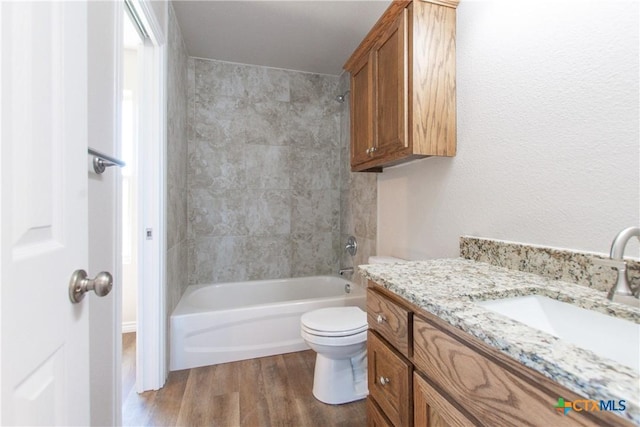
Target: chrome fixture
{"points": [[616, 260], [341, 98], [344, 271], [102, 161], [347, 288], [352, 246]]}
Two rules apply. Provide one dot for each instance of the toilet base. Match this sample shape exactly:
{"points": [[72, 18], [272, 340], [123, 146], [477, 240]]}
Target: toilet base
{"points": [[337, 381]]}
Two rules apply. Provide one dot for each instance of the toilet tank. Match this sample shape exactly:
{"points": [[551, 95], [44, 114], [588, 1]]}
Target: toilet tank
{"points": [[381, 259]]}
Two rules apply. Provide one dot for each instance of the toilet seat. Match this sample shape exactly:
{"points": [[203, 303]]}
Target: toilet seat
{"points": [[334, 322], [342, 341]]}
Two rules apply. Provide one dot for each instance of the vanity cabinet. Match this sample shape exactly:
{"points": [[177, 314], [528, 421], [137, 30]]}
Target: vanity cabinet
{"points": [[424, 372], [403, 87], [389, 376], [361, 110], [434, 410]]}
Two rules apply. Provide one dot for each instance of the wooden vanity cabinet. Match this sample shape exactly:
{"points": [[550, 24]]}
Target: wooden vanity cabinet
{"points": [[431, 409], [390, 80], [361, 110], [390, 378], [389, 319], [403, 87], [375, 416], [424, 372]]}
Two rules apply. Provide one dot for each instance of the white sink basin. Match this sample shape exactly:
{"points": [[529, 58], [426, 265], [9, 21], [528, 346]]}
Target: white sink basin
{"points": [[606, 336]]}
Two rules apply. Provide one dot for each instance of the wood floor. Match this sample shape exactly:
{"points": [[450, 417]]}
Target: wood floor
{"points": [[270, 391]]}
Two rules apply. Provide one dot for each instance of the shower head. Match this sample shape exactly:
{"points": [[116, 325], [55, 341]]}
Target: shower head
{"points": [[341, 98]]}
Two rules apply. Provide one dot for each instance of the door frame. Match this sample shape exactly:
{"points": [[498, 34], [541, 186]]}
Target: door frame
{"points": [[151, 336]]}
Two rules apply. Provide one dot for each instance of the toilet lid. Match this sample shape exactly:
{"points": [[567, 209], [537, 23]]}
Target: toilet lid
{"points": [[335, 321]]}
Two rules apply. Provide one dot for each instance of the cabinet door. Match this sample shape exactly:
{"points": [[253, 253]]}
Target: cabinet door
{"points": [[431, 409], [375, 417], [391, 75], [389, 377], [361, 112]]}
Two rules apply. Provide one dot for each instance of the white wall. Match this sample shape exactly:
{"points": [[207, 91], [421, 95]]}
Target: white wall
{"points": [[548, 134], [130, 266], [160, 10]]}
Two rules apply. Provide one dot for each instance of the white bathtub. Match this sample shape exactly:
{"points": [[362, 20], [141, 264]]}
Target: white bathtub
{"points": [[225, 322]]}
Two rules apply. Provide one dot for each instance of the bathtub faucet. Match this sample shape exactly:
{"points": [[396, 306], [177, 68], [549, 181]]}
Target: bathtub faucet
{"points": [[344, 271]]}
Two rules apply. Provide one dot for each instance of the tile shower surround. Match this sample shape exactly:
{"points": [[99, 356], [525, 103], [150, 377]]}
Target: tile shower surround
{"points": [[263, 173]]}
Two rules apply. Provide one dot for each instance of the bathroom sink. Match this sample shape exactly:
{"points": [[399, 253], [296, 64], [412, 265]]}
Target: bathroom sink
{"points": [[611, 337]]}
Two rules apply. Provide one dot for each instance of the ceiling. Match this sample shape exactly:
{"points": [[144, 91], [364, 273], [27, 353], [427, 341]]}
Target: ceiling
{"points": [[316, 36]]}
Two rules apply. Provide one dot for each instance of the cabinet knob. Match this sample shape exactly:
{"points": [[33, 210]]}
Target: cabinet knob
{"points": [[368, 151], [384, 381], [380, 318]]}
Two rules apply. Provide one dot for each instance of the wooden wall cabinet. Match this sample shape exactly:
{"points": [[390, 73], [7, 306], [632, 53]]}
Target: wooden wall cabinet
{"points": [[403, 86], [423, 372]]}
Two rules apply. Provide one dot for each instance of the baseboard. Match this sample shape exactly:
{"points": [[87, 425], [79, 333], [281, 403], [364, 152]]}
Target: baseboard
{"points": [[129, 327]]}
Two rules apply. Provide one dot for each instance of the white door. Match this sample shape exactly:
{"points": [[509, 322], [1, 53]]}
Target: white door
{"points": [[43, 213]]}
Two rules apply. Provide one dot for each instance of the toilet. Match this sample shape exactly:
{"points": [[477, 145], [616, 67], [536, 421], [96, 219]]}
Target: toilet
{"points": [[339, 337]]}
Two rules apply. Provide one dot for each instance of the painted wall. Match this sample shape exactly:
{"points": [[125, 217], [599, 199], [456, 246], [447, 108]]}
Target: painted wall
{"points": [[548, 134], [358, 198], [130, 192], [263, 175], [160, 9], [176, 173]]}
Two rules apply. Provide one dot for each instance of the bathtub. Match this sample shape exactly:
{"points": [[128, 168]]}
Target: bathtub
{"points": [[225, 322]]}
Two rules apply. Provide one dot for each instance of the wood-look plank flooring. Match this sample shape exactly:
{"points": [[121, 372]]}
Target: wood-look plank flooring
{"points": [[269, 391]]}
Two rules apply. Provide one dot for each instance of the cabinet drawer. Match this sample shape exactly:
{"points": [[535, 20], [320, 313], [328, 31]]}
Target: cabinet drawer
{"points": [[375, 417], [389, 376], [489, 392], [390, 320]]}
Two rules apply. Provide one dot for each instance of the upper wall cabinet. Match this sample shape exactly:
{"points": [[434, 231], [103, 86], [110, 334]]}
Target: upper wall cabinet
{"points": [[403, 86]]}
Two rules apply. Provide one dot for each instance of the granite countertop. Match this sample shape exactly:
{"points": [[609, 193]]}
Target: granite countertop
{"points": [[449, 288]]}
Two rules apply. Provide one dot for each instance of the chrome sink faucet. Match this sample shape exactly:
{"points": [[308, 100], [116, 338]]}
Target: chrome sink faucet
{"points": [[616, 254]]}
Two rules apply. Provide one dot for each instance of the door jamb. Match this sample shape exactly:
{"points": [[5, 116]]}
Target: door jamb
{"points": [[151, 337]]}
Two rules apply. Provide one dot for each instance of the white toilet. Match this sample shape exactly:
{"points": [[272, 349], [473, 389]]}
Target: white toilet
{"points": [[339, 337]]}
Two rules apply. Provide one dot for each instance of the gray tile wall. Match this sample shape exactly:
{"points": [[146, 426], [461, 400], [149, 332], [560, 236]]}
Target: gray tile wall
{"points": [[358, 197], [177, 85], [263, 172]]}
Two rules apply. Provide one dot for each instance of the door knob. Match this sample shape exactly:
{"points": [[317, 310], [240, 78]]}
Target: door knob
{"points": [[80, 285]]}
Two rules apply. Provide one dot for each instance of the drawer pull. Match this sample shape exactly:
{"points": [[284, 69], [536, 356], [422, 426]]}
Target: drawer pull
{"points": [[384, 381], [380, 318]]}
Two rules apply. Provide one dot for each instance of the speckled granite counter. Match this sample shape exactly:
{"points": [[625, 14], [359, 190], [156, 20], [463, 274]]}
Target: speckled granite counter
{"points": [[448, 288]]}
